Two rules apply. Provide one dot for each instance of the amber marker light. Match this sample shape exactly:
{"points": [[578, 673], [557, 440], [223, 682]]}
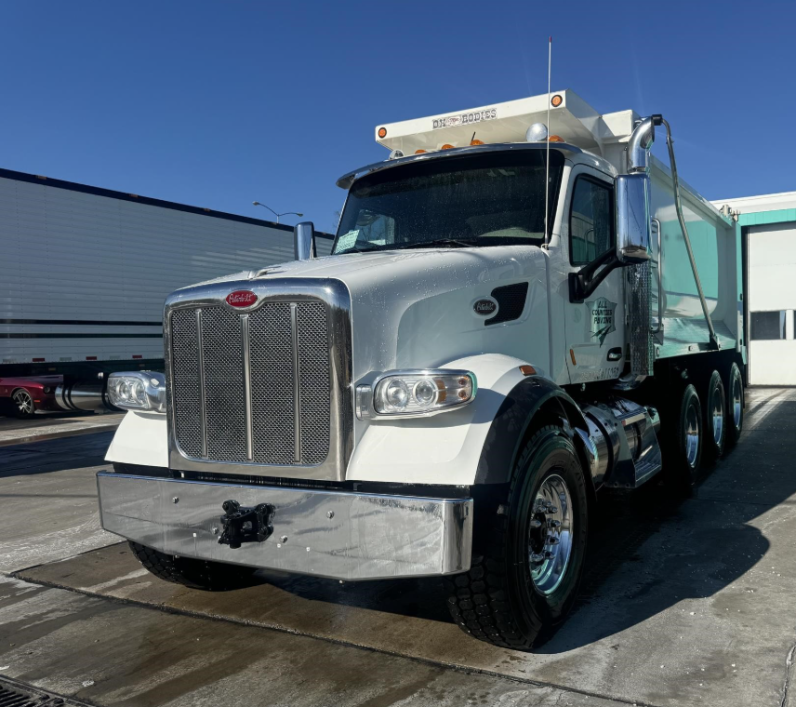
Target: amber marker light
{"points": [[572, 356], [528, 370], [556, 100], [476, 142], [446, 146], [555, 138], [382, 132], [420, 152]]}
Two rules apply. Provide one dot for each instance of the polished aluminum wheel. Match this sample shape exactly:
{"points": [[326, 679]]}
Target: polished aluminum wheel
{"points": [[23, 402], [737, 401], [717, 419], [550, 534], [692, 433]]}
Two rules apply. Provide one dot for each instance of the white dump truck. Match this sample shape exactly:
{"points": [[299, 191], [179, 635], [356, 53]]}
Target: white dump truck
{"points": [[522, 308]]}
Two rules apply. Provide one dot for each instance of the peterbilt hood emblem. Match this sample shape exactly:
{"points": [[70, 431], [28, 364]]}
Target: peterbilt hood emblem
{"points": [[241, 298], [485, 307]]}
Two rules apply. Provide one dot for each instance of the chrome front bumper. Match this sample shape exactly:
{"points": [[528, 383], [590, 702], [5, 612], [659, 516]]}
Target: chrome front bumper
{"points": [[342, 535]]}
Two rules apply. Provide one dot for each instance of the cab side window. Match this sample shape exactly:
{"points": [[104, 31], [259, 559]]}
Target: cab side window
{"points": [[591, 221]]}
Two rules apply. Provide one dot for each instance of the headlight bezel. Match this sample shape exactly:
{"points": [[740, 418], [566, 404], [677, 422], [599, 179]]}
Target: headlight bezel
{"points": [[150, 387], [370, 397]]}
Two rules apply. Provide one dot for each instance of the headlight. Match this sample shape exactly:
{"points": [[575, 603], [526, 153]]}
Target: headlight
{"points": [[139, 390], [416, 393]]}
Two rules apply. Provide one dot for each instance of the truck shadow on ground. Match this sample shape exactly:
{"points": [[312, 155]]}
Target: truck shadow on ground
{"points": [[648, 549]]}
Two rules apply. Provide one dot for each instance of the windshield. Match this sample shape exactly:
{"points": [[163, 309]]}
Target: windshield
{"points": [[490, 199]]}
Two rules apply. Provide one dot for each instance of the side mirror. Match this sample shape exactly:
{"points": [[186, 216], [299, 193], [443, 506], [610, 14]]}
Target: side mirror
{"points": [[633, 218], [304, 241]]}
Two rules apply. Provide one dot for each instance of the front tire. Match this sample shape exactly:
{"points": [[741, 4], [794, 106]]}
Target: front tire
{"points": [[189, 572], [523, 585]]}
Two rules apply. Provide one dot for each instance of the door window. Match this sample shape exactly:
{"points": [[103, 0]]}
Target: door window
{"points": [[591, 222]]}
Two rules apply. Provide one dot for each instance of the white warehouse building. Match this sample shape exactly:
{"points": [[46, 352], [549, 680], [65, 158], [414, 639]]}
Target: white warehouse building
{"points": [[768, 232]]}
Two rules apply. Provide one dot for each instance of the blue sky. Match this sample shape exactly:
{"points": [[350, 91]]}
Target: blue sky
{"points": [[217, 104]]}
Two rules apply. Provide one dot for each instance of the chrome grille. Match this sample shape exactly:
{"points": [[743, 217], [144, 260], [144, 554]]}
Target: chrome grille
{"points": [[252, 387]]}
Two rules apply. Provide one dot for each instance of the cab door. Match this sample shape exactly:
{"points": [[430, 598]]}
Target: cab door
{"points": [[595, 331]]}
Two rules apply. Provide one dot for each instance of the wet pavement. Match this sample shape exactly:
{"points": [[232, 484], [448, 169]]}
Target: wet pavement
{"points": [[55, 425], [683, 603]]}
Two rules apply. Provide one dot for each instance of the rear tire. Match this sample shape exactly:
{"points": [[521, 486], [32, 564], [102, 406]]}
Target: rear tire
{"points": [[715, 417], [736, 404], [683, 441], [189, 572], [23, 405], [523, 585]]}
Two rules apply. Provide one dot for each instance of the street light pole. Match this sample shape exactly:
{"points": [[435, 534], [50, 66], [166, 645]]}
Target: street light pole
{"points": [[284, 213]]}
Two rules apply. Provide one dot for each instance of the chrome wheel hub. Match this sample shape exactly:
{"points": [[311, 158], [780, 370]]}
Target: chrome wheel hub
{"points": [[717, 419], [550, 534], [23, 401], [691, 435], [737, 402]]}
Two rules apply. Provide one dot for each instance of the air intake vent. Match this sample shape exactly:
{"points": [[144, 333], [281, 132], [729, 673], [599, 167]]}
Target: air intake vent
{"points": [[511, 302]]}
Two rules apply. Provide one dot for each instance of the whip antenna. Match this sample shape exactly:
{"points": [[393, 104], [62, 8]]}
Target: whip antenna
{"points": [[547, 151]]}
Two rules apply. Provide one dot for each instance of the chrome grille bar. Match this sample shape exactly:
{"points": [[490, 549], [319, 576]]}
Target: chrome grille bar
{"points": [[202, 401], [247, 385], [296, 383]]}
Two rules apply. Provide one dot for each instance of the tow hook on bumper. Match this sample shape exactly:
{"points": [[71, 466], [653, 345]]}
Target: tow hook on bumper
{"points": [[240, 524]]}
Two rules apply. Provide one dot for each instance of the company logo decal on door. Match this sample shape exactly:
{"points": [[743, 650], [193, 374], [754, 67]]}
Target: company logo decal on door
{"points": [[601, 318]]}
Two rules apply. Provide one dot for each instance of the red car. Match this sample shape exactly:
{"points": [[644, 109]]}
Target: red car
{"points": [[23, 396]]}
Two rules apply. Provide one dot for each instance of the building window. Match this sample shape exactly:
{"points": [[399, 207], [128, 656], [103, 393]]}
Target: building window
{"points": [[767, 326]]}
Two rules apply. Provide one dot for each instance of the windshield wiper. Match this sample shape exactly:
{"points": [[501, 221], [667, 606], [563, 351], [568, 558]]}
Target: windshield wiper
{"points": [[447, 242]]}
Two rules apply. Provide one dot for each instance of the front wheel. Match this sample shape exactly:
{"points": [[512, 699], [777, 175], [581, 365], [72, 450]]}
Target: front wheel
{"points": [[525, 582]]}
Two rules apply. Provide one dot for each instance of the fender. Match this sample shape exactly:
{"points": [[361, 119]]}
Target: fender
{"points": [[531, 398]]}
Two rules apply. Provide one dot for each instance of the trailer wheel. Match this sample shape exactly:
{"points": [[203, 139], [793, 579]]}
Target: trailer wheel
{"points": [[736, 404], [23, 404], [520, 589], [196, 574], [683, 443], [715, 417]]}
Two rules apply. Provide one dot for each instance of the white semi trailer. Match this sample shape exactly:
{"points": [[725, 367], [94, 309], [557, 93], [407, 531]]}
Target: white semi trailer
{"points": [[85, 272], [518, 313]]}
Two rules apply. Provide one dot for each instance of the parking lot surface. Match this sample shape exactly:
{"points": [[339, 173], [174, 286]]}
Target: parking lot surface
{"points": [[683, 602]]}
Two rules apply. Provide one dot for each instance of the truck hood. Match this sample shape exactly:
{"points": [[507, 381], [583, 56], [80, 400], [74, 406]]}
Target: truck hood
{"points": [[416, 308]]}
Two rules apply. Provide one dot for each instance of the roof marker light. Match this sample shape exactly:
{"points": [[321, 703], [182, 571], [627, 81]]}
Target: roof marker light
{"points": [[556, 100], [555, 138], [476, 142], [446, 146], [382, 132], [420, 152]]}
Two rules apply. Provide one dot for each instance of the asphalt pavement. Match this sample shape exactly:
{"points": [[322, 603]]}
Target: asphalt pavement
{"points": [[683, 603]]}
